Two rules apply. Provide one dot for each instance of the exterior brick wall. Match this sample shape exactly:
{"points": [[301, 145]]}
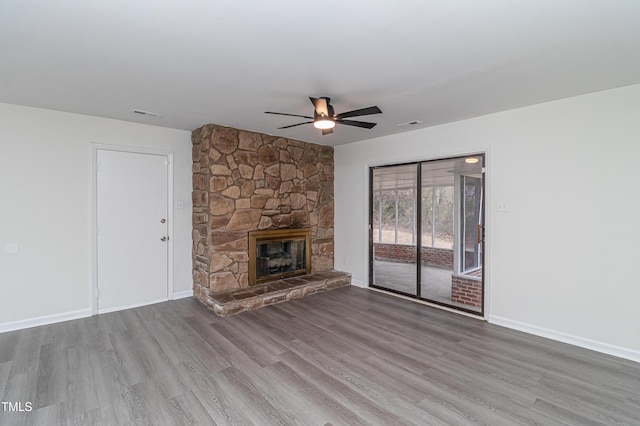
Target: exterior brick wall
{"points": [[466, 290], [431, 256], [394, 253]]}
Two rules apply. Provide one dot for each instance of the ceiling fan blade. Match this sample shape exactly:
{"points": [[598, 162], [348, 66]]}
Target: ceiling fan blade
{"points": [[290, 115], [358, 112], [326, 131], [362, 124], [321, 105], [294, 125]]}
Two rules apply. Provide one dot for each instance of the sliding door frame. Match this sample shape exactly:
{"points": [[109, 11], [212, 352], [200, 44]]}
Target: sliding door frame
{"points": [[418, 236]]}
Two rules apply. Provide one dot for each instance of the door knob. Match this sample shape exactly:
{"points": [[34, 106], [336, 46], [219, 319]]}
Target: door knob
{"points": [[163, 238], [163, 220]]}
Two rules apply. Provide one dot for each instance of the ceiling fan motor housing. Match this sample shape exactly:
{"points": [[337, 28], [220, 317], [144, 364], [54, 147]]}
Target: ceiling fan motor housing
{"points": [[330, 113]]}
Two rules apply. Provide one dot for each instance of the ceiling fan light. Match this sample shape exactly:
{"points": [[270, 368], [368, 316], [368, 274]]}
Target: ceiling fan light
{"points": [[324, 123]]}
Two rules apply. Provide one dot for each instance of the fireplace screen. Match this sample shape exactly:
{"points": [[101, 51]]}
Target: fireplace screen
{"points": [[278, 254]]}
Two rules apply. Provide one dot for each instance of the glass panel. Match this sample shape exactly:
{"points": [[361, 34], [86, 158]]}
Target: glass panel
{"points": [[384, 216], [279, 257], [428, 216], [437, 231], [394, 228], [376, 213], [467, 288], [406, 216], [472, 201], [437, 216]]}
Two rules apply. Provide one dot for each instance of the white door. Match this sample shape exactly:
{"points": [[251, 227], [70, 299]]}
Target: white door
{"points": [[132, 248]]}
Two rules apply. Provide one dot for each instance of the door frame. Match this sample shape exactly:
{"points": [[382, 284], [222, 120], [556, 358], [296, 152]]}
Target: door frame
{"points": [[95, 147], [486, 252]]}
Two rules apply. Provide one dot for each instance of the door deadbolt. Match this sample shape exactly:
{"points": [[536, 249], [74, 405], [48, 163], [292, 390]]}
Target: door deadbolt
{"points": [[163, 238], [163, 220]]}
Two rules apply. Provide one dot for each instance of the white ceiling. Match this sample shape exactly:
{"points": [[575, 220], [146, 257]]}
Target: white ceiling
{"points": [[226, 62]]}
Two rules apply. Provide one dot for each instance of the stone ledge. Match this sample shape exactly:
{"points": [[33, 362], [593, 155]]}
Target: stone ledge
{"points": [[235, 301]]}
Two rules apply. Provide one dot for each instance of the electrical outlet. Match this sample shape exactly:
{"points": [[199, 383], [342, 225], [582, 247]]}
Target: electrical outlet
{"points": [[502, 207]]}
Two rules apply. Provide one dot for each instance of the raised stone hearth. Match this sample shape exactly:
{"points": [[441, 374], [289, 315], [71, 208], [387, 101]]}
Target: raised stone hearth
{"points": [[254, 297]]}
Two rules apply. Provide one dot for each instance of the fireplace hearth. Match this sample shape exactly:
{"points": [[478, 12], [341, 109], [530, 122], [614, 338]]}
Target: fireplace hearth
{"points": [[278, 254]]}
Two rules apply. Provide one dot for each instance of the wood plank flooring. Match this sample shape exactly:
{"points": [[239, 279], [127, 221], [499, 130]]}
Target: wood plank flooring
{"points": [[346, 357]]}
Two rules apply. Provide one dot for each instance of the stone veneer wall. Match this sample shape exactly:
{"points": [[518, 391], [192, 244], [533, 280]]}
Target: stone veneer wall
{"points": [[244, 181]]}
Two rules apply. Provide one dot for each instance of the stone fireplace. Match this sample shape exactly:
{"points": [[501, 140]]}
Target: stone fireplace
{"points": [[247, 182]]}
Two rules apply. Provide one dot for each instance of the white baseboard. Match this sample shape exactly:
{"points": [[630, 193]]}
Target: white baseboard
{"points": [[136, 305], [358, 283], [606, 348], [183, 294], [82, 313], [45, 320]]}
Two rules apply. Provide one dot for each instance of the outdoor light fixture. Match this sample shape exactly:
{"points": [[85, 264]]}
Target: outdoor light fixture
{"points": [[324, 123]]}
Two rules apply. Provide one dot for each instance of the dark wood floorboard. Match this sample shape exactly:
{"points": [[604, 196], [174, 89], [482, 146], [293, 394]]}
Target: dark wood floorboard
{"points": [[345, 357]]}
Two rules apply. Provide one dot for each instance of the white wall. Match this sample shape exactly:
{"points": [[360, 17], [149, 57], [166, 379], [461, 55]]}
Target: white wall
{"points": [[562, 262], [45, 207]]}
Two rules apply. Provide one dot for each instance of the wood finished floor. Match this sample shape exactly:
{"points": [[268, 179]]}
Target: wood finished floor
{"points": [[349, 356]]}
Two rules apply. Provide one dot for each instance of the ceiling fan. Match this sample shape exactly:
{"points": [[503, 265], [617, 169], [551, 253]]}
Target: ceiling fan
{"points": [[325, 118]]}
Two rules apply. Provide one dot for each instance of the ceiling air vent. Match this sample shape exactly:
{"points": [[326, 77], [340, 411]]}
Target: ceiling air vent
{"points": [[409, 123], [150, 114]]}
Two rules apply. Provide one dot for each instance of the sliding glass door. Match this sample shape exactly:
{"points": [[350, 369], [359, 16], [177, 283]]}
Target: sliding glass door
{"points": [[393, 207], [426, 231]]}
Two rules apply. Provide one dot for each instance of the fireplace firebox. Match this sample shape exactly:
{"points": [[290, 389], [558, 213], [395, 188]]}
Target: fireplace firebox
{"points": [[279, 253]]}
